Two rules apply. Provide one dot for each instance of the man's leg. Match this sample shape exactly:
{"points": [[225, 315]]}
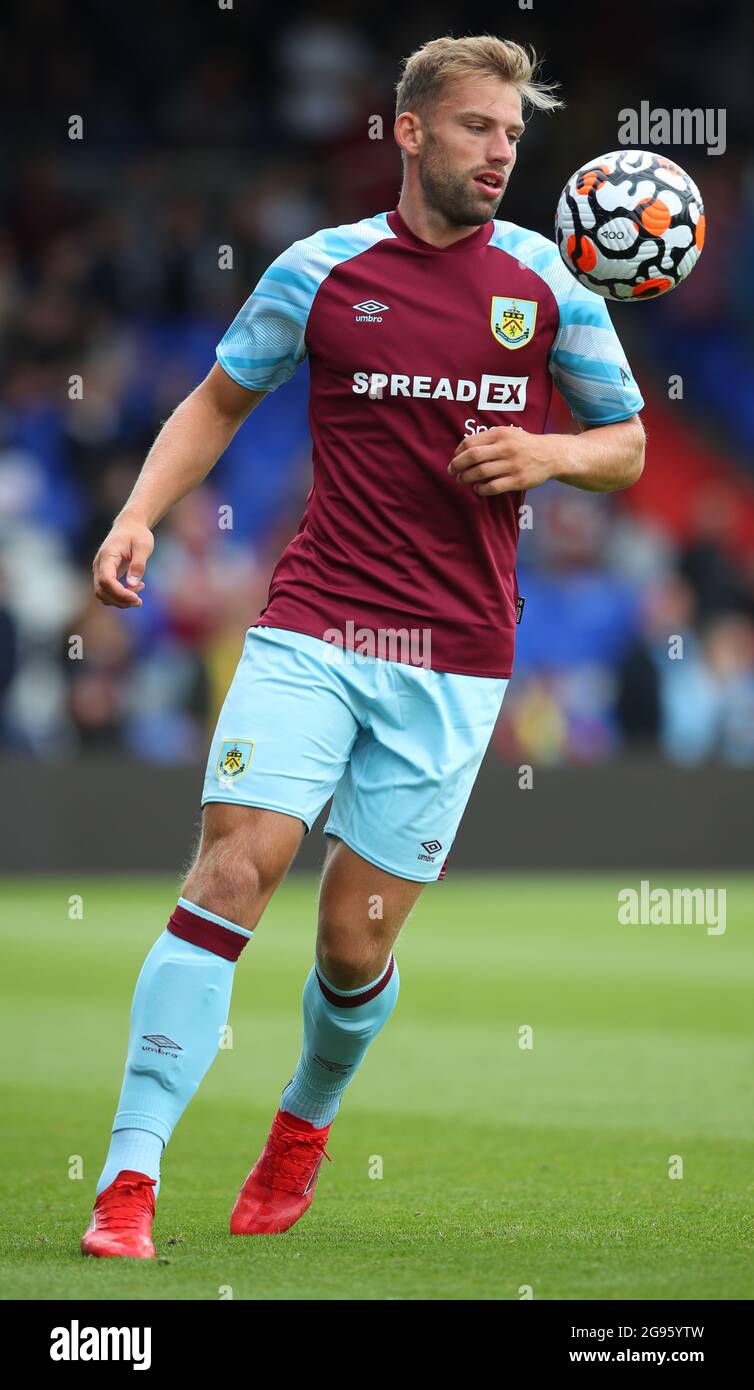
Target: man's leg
{"points": [[395, 813], [348, 997], [182, 995], [353, 987]]}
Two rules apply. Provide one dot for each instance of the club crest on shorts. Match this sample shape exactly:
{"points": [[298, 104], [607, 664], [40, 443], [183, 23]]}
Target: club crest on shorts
{"points": [[513, 320], [234, 758]]}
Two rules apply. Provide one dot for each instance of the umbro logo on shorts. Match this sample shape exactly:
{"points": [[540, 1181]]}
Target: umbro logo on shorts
{"points": [[431, 848]]}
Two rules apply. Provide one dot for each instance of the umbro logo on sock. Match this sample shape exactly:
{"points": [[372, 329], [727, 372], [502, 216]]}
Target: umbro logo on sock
{"points": [[339, 1067], [162, 1044]]}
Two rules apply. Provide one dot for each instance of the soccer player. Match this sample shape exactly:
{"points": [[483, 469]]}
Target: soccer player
{"points": [[376, 671]]}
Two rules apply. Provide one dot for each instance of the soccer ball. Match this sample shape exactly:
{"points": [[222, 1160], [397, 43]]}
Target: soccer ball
{"points": [[630, 225]]}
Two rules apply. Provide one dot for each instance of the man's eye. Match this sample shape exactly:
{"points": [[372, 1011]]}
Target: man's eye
{"points": [[476, 127]]}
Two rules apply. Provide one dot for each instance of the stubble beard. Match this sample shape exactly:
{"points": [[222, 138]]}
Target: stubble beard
{"points": [[448, 192]]}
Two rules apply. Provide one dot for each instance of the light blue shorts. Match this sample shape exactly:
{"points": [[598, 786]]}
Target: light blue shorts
{"points": [[398, 747]]}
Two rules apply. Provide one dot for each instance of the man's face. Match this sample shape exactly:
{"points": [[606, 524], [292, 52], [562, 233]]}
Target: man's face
{"points": [[469, 149]]}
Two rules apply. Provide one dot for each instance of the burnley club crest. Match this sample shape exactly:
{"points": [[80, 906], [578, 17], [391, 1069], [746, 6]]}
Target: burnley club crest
{"points": [[513, 320], [234, 758]]}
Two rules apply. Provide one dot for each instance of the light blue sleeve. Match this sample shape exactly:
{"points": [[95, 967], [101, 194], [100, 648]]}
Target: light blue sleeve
{"points": [[265, 342], [267, 339], [586, 360]]}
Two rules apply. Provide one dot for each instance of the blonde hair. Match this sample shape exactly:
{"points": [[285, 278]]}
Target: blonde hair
{"points": [[428, 70]]}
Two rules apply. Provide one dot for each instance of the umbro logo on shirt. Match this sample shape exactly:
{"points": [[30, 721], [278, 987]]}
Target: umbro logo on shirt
{"points": [[370, 311]]}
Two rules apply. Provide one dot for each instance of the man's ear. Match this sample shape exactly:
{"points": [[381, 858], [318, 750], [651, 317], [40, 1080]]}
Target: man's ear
{"points": [[408, 133]]}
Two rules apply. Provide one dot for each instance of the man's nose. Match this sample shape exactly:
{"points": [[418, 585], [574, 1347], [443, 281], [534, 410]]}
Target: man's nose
{"points": [[500, 151]]}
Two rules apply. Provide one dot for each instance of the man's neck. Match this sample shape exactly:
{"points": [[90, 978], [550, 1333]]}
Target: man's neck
{"points": [[429, 225]]}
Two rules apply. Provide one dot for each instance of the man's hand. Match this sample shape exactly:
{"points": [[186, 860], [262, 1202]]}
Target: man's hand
{"points": [[603, 458], [126, 549], [505, 459]]}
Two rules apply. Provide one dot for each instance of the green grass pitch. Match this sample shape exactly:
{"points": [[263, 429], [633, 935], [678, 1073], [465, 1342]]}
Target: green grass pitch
{"points": [[503, 1168]]}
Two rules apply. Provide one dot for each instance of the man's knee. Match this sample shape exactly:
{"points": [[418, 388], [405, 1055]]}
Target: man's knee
{"points": [[241, 860], [350, 959], [227, 874]]}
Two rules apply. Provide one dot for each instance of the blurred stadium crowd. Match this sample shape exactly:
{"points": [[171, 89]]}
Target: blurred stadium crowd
{"points": [[246, 130]]}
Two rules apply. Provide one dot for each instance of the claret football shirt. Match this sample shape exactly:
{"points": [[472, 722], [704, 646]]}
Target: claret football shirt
{"points": [[411, 347]]}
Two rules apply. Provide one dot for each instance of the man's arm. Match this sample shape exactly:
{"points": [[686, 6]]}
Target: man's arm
{"points": [[186, 449], [603, 458]]}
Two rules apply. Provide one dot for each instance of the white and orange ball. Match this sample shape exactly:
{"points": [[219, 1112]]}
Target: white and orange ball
{"points": [[630, 225]]}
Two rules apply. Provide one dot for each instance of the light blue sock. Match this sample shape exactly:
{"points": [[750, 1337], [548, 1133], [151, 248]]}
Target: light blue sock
{"points": [[180, 1006], [134, 1149], [339, 1025]]}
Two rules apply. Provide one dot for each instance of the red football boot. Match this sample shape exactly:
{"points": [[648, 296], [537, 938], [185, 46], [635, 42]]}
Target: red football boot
{"points": [[122, 1219], [280, 1186]]}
